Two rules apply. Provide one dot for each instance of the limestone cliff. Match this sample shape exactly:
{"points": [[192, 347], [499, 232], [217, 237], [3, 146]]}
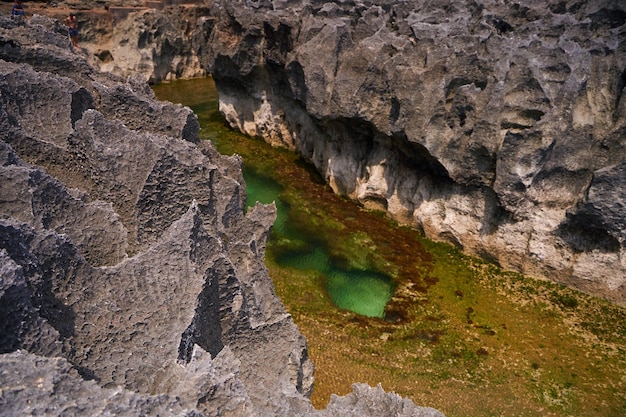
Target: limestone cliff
{"points": [[131, 279], [499, 127], [159, 44]]}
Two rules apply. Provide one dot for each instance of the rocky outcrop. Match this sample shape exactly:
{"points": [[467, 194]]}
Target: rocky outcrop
{"points": [[155, 39], [498, 127], [131, 279], [158, 44]]}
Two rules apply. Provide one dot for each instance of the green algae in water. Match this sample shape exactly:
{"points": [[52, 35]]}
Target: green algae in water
{"points": [[314, 259], [294, 243], [362, 292], [260, 188]]}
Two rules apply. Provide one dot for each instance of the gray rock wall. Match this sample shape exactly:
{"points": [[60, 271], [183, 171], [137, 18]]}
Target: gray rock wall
{"points": [[160, 45], [125, 246], [499, 127], [131, 279]]}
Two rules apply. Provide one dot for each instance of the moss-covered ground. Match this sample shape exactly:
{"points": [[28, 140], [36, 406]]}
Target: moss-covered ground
{"points": [[460, 334]]}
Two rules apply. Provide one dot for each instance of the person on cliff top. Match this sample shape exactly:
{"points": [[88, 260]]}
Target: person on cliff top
{"points": [[17, 12], [72, 22]]}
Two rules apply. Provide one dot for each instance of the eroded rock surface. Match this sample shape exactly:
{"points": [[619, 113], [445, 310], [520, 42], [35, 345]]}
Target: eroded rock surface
{"points": [[499, 127], [131, 279], [161, 45]]}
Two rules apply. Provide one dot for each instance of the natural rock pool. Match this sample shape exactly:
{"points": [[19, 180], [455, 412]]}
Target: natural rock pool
{"points": [[446, 330], [300, 246]]}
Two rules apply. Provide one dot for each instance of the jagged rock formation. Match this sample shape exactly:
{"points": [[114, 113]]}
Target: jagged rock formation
{"points": [[497, 126], [131, 280], [138, 37]]}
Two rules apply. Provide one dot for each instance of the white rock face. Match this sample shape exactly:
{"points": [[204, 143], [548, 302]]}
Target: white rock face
{"points": [[156, 44]]}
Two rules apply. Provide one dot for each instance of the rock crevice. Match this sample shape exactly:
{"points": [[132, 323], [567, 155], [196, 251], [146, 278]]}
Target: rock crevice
{"points": [[131, 277]]}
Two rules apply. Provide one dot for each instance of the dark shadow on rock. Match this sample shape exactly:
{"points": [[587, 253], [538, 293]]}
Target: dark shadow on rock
{"points": [[205, 329], [584, 232], [81, 100]]}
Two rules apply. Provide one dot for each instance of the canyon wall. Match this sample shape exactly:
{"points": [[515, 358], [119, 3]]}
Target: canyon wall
{"points": [[497, 126], [159, 44], [131, 278]]}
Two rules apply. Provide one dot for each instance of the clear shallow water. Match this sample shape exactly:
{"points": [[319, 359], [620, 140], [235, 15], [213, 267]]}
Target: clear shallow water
{"points": [[298, 243], [361, 291]]}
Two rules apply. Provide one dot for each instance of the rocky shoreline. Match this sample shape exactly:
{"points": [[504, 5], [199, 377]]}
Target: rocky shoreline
{"points": [[132, 281]]}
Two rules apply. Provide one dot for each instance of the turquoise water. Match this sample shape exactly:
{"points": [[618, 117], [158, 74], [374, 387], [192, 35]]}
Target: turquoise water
{"points": [[298, 244], [362, 292], [266, 191]]}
